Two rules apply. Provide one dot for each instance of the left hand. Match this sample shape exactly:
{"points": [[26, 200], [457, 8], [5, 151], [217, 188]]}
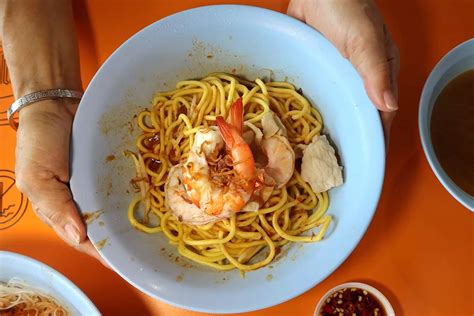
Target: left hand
{"points": [[40, 48], [42, 169], [359, 32]]}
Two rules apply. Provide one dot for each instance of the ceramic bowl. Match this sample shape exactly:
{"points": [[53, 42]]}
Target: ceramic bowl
{"points": [[49, 281], [376, 293], [253, 42], [458, 60]]}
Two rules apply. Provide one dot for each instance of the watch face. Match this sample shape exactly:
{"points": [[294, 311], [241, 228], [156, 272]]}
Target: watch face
{"points": [[6, 93]]}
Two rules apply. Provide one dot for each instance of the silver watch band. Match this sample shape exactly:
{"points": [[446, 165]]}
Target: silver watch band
{"points": [[40, 96]]}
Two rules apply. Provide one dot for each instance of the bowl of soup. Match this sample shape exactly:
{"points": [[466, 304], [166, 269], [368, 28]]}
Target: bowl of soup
{"points": [[27, 285], [446, 122]]}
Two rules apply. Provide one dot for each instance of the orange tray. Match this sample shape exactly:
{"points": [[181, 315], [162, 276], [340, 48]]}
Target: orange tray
{"points": [[419, 248]]}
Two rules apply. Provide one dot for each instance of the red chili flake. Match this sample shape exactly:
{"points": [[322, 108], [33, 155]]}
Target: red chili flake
{"points": [[350, 301], [328, 309]]}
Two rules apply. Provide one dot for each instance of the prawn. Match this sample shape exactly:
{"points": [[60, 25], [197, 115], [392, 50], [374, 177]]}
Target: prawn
{"points": [[280, 155], [229, 183], [180, 204]]}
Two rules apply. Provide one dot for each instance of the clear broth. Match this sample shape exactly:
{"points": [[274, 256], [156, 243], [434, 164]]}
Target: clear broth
{"points": [[452, 130]]}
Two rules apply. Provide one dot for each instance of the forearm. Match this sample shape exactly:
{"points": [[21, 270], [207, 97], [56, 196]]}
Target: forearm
{"points": [[40, 46]]}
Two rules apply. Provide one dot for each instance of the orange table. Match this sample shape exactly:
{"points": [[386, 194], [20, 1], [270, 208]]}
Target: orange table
{"points": [[419, 247]]}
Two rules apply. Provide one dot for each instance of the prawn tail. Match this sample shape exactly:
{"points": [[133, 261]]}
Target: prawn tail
{"points": [[236, 117], [228, 132]]}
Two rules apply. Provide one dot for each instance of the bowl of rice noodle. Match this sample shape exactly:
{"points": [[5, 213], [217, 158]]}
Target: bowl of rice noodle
{"points": [[31, 288]]}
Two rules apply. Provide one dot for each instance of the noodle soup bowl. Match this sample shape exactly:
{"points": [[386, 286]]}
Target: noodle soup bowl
{"points": [[50, 282], [250, 42], [460, 59]]}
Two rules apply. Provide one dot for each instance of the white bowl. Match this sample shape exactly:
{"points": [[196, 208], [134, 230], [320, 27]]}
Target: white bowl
{"points": [[457, 61], [376, 293], [252, 41], [51, 282]]}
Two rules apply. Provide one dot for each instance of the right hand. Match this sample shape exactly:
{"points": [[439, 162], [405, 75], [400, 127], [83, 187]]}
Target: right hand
{"points": [[42, 169]]}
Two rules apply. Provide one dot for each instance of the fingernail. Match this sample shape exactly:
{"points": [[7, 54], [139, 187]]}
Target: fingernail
{"points": [[72, 233], [390, 102]]}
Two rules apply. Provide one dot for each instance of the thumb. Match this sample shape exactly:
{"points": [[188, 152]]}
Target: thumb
{"points": [[369, 57], [53, 203]]}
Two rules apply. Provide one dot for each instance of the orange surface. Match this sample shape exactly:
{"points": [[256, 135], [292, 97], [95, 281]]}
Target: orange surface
{"points": [[419, 247]]}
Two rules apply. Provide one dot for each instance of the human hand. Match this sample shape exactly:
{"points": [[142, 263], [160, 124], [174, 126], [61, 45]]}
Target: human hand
{"points": [[41, 52], [358, 31], [42, 169]]}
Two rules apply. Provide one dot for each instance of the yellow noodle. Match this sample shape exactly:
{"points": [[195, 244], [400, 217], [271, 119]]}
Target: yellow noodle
{"points": [[232, 243], [135, 223]]}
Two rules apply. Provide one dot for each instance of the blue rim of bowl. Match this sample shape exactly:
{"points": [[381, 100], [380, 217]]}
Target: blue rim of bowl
{"points": [[379, 168], [65, 281], [424, 119]]}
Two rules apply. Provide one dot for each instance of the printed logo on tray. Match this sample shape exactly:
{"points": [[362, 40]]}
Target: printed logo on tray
{"points": [[13, 203], [6, 93]]}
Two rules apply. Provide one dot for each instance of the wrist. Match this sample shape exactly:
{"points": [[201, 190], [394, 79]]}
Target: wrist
{"points": [[62, 109], [25, 81], [42, 71]]}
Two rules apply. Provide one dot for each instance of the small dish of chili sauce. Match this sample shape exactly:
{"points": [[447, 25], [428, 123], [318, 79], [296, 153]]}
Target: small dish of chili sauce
{"points": [[354, 299]]}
